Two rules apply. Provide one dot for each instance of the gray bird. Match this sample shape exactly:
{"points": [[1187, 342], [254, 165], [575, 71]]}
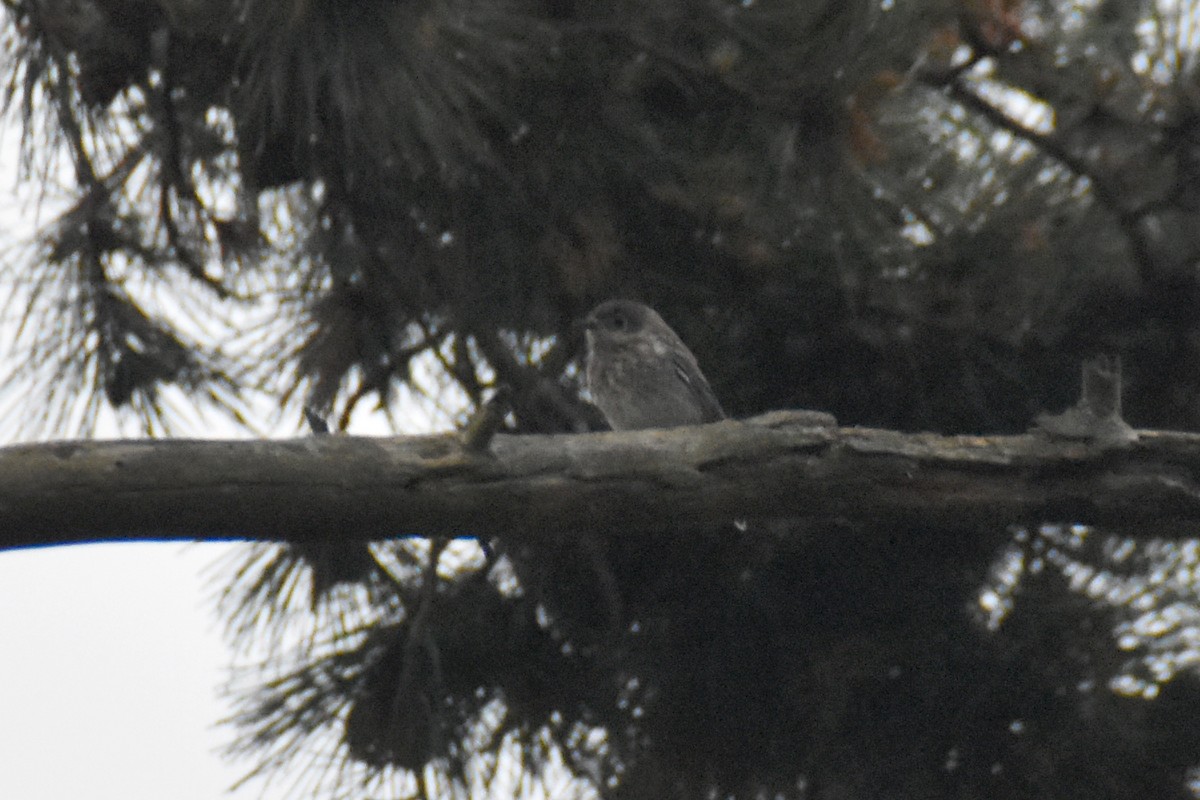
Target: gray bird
{"points": [[640, 373]]}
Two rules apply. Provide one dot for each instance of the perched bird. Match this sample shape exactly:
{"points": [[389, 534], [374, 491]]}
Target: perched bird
{"points": [[640, 373]]}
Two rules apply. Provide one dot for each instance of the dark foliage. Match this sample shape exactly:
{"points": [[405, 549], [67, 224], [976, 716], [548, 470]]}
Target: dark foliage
{"points": [[919, 215]]}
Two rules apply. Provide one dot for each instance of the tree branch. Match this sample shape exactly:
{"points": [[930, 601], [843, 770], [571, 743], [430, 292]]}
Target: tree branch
{"points": [[782, 464]]}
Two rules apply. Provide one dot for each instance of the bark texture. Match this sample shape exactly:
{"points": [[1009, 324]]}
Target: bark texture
{"points": [[783, 464]]}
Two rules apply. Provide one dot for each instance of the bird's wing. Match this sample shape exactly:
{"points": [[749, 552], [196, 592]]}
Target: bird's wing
{"points": [[689, 372]]}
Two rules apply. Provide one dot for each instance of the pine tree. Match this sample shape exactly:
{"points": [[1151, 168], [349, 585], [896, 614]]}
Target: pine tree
{"points": [[914, 214]]}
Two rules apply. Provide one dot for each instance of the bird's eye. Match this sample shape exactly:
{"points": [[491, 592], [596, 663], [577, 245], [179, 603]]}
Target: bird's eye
{"points": [[619, 322]]}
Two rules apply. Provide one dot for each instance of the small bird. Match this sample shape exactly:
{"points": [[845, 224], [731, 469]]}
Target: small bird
{"points": [[640, 373]]}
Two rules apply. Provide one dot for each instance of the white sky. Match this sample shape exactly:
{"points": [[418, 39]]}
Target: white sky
{"points": [[110, 663]]}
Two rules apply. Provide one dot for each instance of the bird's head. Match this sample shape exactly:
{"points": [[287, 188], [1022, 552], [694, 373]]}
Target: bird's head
{"points": [[617, 322]]}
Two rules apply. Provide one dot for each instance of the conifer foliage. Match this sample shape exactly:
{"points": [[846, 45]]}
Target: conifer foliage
{"points": [[915, 214]]}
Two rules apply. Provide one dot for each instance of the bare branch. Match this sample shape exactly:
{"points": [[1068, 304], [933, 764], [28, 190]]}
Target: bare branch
{"points": [[782, 464]]}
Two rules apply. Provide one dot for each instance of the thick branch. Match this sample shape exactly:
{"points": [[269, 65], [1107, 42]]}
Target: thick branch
{"points": [[334, 487]]}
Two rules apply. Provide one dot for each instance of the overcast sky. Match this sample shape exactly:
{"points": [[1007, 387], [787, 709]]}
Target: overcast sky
{"points": [[110, 663]]}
